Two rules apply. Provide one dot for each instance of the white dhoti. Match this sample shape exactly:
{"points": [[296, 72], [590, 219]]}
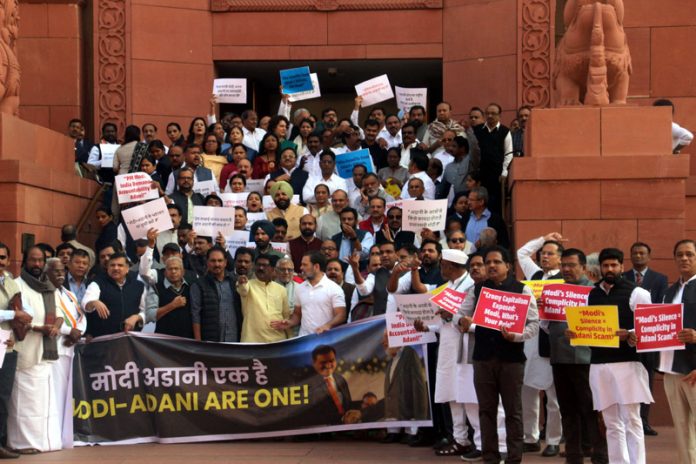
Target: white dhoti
{"points": [[617, 391], [61, 382], [34, 411]]}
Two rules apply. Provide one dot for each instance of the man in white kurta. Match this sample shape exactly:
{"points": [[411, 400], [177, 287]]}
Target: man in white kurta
{"points": [[33, 407], [74, 325], [538, 375]]}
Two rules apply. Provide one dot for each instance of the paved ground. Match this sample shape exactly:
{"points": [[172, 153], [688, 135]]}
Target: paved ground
{"points": [[343, 451]]}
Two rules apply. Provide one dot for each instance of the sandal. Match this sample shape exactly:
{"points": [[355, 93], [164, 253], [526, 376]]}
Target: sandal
{"points": [[454, 449]]}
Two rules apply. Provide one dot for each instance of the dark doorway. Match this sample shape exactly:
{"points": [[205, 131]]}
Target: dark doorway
{"points": [[336, 80]]}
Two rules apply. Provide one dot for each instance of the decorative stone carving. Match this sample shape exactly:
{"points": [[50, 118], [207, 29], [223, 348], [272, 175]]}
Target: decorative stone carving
{"points": [[593, 63], [535, 53], [321, 5], [9, 65], [110, 50]]}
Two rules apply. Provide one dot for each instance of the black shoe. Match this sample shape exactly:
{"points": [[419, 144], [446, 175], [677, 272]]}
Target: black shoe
{"points": [[649, 431], [419, 440], [531, 447], [442, 443], [473, 456], [550, 450], [7, 454], [391, 438]]}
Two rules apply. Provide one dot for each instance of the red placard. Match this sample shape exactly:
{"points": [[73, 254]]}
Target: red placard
{"points": [[496, 309], [450, 300], [556, 297], [657, 325]]}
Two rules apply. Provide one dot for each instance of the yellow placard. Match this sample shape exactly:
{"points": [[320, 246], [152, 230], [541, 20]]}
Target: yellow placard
{"points": [[438, 290], [538, 285], [594, 325]]}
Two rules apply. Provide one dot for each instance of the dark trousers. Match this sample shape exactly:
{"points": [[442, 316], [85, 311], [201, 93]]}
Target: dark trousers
{"points": [[572, 383], [492, 378], [7, 375]]}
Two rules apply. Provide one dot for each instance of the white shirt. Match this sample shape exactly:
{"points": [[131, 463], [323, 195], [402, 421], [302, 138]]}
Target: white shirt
{"points": [[334, 183], [667, 357], [392, 140], [67, 303], [427, 182], [171, 182], [406, 154], [403, 286], [507, 149], [253, 139], [524, 257], [318, 303], [680, 136]]}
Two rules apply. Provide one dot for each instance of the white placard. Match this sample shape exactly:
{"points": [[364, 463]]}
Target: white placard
{"points": [[376, 90], [136, 186], [230, 200], [401, 332], [253, 217], [394, 204], [418, 306], [151, 215], [424, 214], [209, 220], [4, 336], [269, 204], [306, 95], [230, 90], [406, 98], [236, 239], [204, 187], [280, 247], [107, 154], [254, 185]]}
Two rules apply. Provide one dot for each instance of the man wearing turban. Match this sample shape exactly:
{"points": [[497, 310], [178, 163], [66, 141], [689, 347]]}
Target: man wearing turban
{"points": [[282, 194]]}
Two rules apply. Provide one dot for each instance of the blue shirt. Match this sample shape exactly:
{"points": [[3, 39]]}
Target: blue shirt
{"points": [[475, 226], [78, 290]]}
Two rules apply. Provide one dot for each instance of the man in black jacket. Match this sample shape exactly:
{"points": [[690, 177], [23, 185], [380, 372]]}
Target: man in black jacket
{"points": [[499, 360], [679, 366], [184, 196], [619, 401], [656, 284], [215, 304]]}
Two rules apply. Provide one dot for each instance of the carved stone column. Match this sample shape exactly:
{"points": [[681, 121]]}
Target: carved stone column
{"points": [[535, 51], [111, 54]]}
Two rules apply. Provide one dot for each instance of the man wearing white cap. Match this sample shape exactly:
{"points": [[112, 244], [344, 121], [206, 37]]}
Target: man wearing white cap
{"points": [[454, 383]]}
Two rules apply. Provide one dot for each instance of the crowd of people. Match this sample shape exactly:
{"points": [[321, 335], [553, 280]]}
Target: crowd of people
{"points": [[328, 251]]}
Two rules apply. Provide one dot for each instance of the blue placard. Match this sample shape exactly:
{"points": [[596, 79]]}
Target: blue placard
{"points": [[345, 162], [295, 80]]}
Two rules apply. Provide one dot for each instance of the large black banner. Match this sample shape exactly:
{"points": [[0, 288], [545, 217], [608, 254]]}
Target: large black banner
{"points": [[132, 388]]}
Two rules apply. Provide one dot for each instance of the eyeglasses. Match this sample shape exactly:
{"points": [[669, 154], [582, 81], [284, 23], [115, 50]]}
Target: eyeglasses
{"points": [[328, 249], [393, 217], [3, 257], [457, 240], [280, 269]]}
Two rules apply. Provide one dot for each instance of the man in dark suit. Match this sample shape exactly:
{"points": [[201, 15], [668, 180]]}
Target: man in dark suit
{"points": [[679, 366], [184, 194], [391, 231], [351, 239], [405, 389], [329, 390], [656, 284]]}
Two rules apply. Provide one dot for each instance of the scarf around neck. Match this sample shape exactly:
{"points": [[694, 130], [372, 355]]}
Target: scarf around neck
{"points": [[47, 291]]}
